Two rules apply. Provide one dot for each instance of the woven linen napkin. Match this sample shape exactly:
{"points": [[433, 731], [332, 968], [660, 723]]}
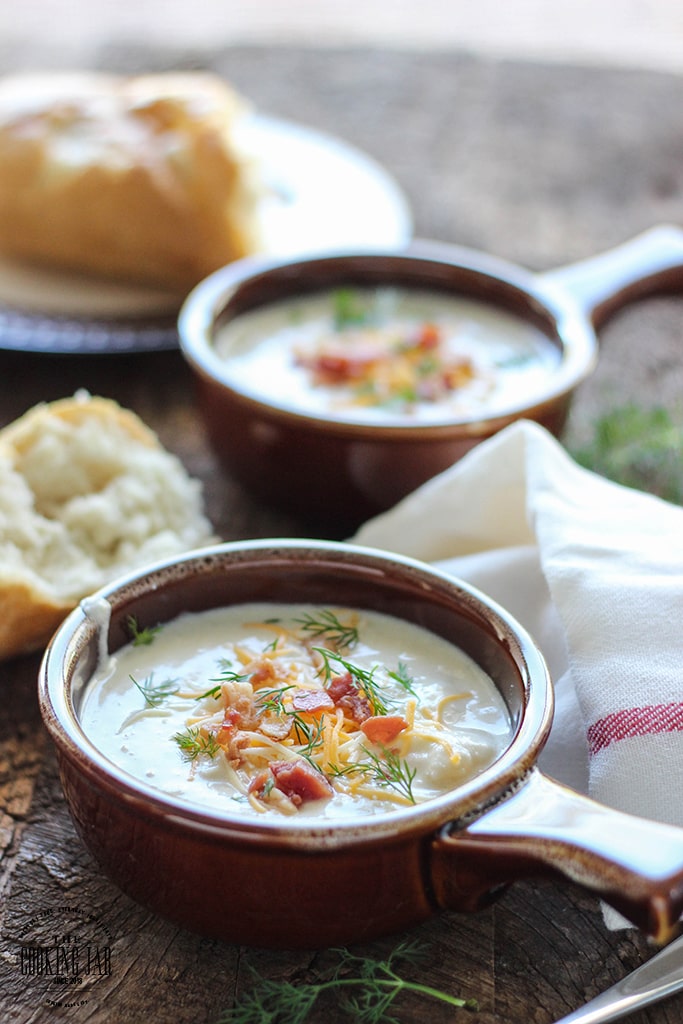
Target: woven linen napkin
{"points": [[594, 571]]}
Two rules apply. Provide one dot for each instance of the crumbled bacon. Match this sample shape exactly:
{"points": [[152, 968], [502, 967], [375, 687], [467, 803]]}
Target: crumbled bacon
{"points": [[230, 736], [239, 696], [299, 781], [276, 727], [428, 337], [260, 781], [262, 672], [263, 787], [312, 700], [383, 729], [346, 695], [340, 365], [228, 727]]}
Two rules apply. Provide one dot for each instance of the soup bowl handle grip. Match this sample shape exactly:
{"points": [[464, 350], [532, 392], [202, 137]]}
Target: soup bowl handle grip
{"points": [[650, 262], [545, 829]]}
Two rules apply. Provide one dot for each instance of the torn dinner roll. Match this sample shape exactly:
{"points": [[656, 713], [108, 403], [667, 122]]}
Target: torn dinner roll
{"points": [[87, 493], [136, 179]]}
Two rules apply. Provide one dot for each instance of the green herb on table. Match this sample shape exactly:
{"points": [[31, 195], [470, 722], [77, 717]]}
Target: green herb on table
{"points": [[366, 988], [141, 637], [155, 695], [640, 448]]}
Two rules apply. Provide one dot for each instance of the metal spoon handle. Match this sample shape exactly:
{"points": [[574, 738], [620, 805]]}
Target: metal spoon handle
{"points": [[660, 977]]}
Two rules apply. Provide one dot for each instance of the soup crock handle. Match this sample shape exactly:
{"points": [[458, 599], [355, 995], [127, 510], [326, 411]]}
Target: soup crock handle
{"points": [[545, 829], [649, 263]]}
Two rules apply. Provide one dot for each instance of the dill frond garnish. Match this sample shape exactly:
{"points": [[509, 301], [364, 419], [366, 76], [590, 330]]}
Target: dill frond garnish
{"points": [[403, 677], [194, 744], [327, 624], [366, 988], [364, 679], [389, 770], [140, 637], [273, 699], [155, 695]]}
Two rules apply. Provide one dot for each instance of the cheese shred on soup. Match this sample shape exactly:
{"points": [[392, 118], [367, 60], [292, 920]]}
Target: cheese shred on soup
{"points": [[295, 710]]}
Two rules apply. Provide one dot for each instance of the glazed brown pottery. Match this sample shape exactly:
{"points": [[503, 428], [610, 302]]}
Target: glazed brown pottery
{"points": [[334, 474], [294, 883]]}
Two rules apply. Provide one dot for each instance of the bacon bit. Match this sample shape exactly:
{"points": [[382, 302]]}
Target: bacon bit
{"points": [[234, 747], [230, 736], [229, 726], [312, 700], [383, 728], [262, 788], [259, 782], [341, 686], [429, 337], [276, 727], [341, 362], [300, 782], [346, 696], [263, 673], [239, 696]]}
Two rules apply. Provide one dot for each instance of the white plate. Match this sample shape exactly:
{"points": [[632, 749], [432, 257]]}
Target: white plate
{"points": [[321, 195]]}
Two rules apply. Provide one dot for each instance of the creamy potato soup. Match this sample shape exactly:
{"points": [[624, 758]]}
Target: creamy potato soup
{"points": [[386, 354], [291, 710]]}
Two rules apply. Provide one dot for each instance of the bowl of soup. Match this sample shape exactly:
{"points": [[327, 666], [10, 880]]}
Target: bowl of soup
{"points": [[295, 743], [332, 386]]}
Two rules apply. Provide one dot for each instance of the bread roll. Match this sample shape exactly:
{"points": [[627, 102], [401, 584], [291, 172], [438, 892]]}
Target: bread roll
{"points": [[87, 493], [136, 179]]}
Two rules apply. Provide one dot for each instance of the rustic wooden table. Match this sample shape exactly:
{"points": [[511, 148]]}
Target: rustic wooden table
{"points": [[542, 165]]}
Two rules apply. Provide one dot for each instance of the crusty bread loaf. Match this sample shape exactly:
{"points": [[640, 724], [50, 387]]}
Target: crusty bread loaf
{"points": [[87, 493], [137, 179]]}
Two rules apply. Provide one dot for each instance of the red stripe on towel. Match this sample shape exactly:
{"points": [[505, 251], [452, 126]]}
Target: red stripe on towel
{"points": [[647, 721]]}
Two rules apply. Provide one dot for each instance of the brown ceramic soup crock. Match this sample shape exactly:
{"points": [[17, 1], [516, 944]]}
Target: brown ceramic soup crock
{"points": [[336, 473], [311, 883]]}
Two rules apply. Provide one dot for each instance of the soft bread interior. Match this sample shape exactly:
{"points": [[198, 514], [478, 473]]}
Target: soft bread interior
{"points": [[87, 493]]}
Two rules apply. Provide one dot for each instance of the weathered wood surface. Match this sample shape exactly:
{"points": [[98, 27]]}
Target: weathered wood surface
{"points": [[540, 165]]}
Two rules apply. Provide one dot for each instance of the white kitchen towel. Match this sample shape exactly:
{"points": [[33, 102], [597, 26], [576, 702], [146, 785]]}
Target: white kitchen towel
{"points": [[594, 571]]}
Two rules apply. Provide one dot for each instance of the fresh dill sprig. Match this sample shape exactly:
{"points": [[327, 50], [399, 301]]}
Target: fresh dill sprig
{"points": [[403, 677], [194, 744], [273, 699], [155, 695], [327, 624], [388, 770], [365, 678], [141, 637], [366, 987]]}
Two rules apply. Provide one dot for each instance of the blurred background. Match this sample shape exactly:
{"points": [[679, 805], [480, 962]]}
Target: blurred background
{"points": [[542, 131], [643, 33]]}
